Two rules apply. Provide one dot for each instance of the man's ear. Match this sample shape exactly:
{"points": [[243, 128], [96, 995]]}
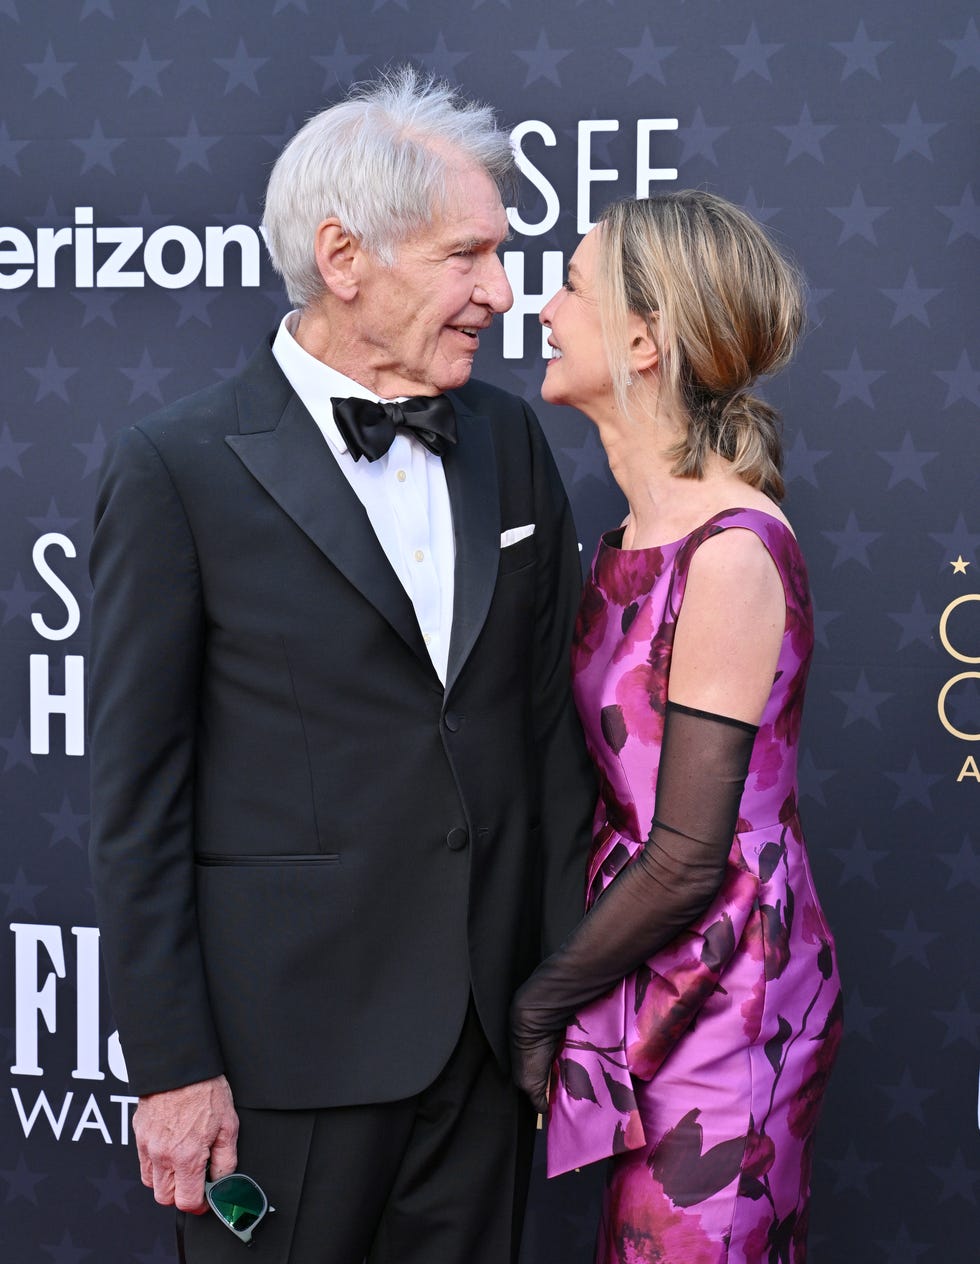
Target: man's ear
{"points": [[335, 251], [644, 352]]}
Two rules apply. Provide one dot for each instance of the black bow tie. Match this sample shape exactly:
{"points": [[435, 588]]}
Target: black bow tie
{"points": [[369, 428]]}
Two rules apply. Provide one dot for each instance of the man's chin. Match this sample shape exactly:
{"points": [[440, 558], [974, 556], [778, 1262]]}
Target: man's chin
{"points": [[455, 375]]}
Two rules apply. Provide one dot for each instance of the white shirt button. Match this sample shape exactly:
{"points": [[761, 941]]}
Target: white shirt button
{"points": [[419, 555], [401, 476]]}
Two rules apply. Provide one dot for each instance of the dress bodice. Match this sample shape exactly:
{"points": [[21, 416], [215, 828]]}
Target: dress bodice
{"points": [[621, 668]]}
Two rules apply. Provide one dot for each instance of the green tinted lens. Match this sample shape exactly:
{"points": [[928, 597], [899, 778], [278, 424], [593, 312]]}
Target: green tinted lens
{"points": [[238, 1201]]}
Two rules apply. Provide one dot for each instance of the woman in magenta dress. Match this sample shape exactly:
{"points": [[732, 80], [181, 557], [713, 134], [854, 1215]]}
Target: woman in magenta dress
{"points": [[688, 1025]]}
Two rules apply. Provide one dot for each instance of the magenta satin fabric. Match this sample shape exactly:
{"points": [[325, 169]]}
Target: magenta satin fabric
{"points": [[705, 1068]]}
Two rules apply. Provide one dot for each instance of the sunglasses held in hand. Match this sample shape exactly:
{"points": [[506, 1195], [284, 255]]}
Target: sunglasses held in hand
{"points": [[238, 1202]]}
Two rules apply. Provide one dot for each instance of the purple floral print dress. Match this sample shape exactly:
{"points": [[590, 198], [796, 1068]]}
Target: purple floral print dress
{"points": [[703, 1071]]}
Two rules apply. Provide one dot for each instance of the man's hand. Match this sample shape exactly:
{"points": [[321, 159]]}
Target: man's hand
{"points": [[178, 1133]]}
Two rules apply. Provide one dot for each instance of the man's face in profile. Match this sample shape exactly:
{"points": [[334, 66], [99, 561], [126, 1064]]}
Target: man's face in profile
{"points": [[416, 324]]}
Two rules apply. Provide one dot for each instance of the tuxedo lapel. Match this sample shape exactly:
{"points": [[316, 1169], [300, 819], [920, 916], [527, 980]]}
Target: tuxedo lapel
{"points": [[471, 477], [284, 450]]}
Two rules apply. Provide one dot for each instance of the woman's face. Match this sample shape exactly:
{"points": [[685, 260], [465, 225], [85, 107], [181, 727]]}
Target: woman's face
{"points": [[578, 371]]}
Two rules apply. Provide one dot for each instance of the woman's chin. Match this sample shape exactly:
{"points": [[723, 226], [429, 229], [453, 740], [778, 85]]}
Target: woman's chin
{"points": [[551, 392]]}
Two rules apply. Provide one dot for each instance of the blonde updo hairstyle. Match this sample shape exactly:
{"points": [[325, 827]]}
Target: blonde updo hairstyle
{"points": [[723, 306]]}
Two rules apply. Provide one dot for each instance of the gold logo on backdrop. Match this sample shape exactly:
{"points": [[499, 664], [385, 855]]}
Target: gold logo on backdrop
{"points": [[970, 770]]}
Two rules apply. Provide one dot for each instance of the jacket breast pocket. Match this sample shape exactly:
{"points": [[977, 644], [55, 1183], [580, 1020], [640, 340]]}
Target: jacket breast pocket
{"points": [[517, 556]]}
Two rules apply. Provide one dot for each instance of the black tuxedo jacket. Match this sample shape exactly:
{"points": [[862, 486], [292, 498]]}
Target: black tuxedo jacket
{"points": [[306, 851]]}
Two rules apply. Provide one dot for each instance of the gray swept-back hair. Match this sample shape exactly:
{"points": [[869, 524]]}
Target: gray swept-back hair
{"points": [[377, 161]]}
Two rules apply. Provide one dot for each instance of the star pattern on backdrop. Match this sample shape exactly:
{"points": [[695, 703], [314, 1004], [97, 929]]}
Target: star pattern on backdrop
{"points": [[11, 451], [858, 1017], [962, 382], [93, 451], [146, 378], [542, 61], [65, 1251], [852, 543], [907, 463], [911, 300], [806, 137], [857, 218], [66, 824], [241, 70], [752, 57], [97, 305], [848, 133], [10, 149], [963, 865], [902, 1249], [918, 624], [914, 784], [855, 381], [852, 1172], [963, 216], [801, 461], [441, 60], [647, 58], [907, 1098], [957, 1179], [699, 139], [961, 1022], [193, 149], [862, 702], [144, 71], [859, 860], [20, 1181], [52, 378], [98, 149], [959, 541], [966, 50], [50, 73], [113, 1189], [21, 895], [914, 136], [340, 65], [53, 520], [18, 600], [861, 53]]}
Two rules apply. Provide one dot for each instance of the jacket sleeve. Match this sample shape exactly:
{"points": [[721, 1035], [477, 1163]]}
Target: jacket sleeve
{"points": [[147, 649], [565, 774]]}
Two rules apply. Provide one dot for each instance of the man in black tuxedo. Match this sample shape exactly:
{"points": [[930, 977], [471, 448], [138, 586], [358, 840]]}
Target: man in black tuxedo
{"points": [[340, 797]]}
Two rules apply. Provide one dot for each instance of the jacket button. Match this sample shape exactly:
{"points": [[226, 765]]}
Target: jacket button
{"points": [[457, 839], [453, 721]]}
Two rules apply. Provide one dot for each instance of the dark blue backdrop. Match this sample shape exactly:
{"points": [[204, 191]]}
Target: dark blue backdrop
{"points": [[850, 131]]}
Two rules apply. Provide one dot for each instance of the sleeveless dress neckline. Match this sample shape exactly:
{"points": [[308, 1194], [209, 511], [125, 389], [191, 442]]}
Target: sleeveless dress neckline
{"points": [[607, 539]]}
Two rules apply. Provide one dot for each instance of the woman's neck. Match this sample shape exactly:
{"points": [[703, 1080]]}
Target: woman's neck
{"points": [[663, 506]]}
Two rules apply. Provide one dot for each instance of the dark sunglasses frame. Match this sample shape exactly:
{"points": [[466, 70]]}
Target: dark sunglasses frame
{"points": [[244, 1235]]}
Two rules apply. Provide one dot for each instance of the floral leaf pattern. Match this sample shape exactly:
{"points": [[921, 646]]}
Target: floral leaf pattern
{"points": [[704, 1071], [687, 1175]]}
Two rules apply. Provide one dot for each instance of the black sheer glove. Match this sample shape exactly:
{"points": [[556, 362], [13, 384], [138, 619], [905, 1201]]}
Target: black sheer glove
{"points": [[703, 764]]}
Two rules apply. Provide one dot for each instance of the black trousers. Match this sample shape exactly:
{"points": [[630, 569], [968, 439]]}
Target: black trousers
{"points": [[440, 1178]]}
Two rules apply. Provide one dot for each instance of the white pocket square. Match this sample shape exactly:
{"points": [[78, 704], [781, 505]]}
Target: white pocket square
{"points": [[513, 534]]}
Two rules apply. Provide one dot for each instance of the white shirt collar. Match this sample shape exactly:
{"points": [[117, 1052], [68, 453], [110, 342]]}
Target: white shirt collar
{"points": [[313, 381]]}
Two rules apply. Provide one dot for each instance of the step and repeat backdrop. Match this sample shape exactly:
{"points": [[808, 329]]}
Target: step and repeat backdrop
{"points": [[135, 142]]}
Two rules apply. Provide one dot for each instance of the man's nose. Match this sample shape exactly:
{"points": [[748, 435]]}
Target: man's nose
{"points": [[493, 288]]}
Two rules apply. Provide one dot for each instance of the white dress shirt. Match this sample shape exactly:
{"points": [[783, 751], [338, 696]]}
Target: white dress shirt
{"points": [[403, 492]]}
